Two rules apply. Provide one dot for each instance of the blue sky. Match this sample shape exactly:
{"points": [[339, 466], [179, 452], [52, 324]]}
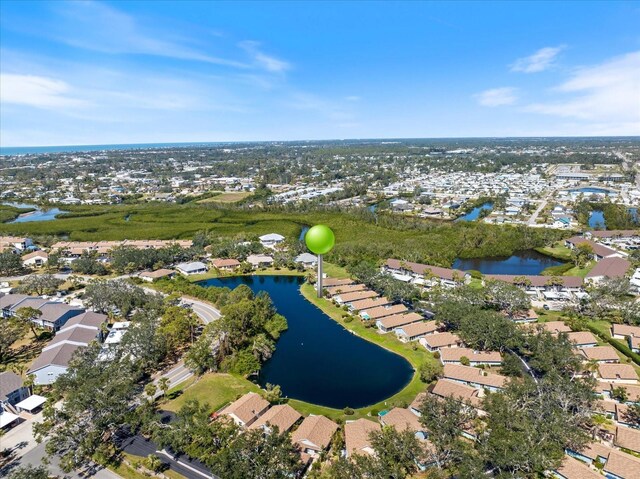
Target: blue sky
{"points": [[133, 72]]}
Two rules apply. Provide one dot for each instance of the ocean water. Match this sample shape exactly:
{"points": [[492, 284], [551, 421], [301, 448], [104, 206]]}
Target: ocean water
{"points": [[29, 150]]}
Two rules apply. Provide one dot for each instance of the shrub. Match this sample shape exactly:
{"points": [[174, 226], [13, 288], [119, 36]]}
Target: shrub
{"points": [[348, 411]]}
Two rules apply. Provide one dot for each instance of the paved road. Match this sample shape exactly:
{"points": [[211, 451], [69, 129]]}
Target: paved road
{"points": [[139, 446], [37, 455], [180, 373], [205, 312], [534, 216]]}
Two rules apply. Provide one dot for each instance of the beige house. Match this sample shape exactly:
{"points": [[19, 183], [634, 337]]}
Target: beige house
{"points": [[282, 416], [356, 436], [314, 434], [247, 409]]}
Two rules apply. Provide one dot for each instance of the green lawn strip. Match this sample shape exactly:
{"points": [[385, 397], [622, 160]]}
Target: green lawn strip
{"points": [[581, 272], [602, 330], [128, 472], [334, 271], [558, 251], [215, 389]]}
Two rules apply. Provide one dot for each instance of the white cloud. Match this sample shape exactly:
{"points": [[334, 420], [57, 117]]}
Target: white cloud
{"points": [[36, 91], [605, 94], [99, 27], [267, 62], [541, 60], [497, 96]]}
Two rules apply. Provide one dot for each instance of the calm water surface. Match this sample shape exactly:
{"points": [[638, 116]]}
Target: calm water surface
{"points": [[475, 213], [316, 359], [37, 215], [521, 263]]}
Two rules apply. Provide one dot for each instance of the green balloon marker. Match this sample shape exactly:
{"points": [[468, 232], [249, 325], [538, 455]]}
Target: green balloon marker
{"points": [[320, 240]]}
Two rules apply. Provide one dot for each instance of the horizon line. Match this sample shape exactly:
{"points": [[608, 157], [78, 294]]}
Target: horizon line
{"points": [[143, 145]]}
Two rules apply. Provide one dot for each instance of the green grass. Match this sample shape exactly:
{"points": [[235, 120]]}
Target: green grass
{"points": [[127, 472], [358, 237], [581, 272], [215, 389], [558, 251], [334, 271]]}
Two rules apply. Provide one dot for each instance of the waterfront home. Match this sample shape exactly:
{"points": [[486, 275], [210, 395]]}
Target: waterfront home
{"points": [[476, 358], [195, 267], [543, 285], [12, 391], [617, 373], [15, 243], [307, 260], [347, 288], [225, 264], [281, 416], [162, 273], [245, 410], [329, 282], [357, 436], [314, 435], [599, 251], [259, 260], [628, 438], [474, 377], [426, 274], [609, 268], [345, 298], [571, 468], [437, 341], [582, 339], [383, 311], [36, 259], [416, 404], [403, 419], [271, 240], [600, 354], [446, 388], [368, 303], [415, 331]]}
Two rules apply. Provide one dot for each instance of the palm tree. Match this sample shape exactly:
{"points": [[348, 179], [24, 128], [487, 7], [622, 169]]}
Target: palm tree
{"points": [[163, 383]]}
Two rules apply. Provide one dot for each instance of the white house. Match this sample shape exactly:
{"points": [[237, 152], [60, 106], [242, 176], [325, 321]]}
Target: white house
{"points": [[35, 259], [307, 260], [195, 267], [15, 242], [271, 240]]}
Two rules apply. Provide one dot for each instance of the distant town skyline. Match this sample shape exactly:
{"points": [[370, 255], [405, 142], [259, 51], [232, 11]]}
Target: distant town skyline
{"points": [[87, 73]]}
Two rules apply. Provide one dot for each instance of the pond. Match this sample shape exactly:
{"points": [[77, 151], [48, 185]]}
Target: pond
{"points": [[316, 359], [37, 215], [590, 190], [474, 214], [528, 262], [596, 219]]}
